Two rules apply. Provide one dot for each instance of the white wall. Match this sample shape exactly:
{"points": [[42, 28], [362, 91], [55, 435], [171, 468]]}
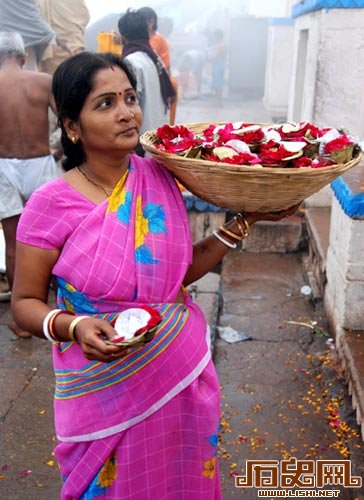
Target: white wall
{"points": [[278, 69], [327, 83]]}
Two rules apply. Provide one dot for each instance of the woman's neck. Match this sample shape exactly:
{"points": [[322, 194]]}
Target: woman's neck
{"points": [[106, 171]]}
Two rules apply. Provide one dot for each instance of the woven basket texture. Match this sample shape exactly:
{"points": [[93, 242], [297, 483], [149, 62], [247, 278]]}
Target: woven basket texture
{"points": [[248, 188]]}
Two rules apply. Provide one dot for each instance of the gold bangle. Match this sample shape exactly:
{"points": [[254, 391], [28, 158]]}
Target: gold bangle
{"points": [[243, 230], [246, 223], [234, 236], [72, 327]]}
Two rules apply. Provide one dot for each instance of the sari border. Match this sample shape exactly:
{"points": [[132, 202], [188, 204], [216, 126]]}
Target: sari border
{"points": [[196, 372]]}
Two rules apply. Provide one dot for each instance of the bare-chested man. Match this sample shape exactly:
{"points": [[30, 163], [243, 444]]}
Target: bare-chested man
{"points": [[25, 160]]}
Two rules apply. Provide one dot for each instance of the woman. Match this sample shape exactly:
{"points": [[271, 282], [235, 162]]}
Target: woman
{"points": [[154, 88], [133, 424]]}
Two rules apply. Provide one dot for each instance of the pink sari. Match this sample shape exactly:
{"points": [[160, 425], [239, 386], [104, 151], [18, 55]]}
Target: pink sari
{"points": [[146, 426]]}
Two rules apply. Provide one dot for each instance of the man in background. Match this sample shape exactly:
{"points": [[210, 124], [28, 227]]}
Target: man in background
{"points": [[25, 160], [68, 18], [24, 17]]}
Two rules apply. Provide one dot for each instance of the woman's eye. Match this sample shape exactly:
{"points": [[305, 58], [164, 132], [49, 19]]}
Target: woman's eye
{"points": [[104, 104], [131, 99]]}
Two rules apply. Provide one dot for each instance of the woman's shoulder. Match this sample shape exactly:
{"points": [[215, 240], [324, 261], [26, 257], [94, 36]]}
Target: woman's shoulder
{"points": [[54, 194], [148, 163]]}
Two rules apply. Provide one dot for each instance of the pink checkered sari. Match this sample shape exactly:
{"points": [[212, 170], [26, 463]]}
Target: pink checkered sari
{"points": [[146, 426]]}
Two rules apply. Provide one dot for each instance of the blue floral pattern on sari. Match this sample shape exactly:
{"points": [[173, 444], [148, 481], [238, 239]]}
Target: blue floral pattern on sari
{"points": [[72, 299]]}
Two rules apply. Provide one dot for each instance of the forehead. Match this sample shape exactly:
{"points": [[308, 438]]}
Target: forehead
{"points": [[110, 79]]}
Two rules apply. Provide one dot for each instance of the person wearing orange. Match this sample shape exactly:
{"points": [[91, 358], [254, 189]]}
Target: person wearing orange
{"points": [[160, 45]]}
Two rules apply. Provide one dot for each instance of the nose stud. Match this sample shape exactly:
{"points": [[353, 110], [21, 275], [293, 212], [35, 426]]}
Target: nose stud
{"points": [[132, 114]]}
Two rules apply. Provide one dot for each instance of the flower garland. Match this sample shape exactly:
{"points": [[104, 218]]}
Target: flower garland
{"points": [[276, 145]]}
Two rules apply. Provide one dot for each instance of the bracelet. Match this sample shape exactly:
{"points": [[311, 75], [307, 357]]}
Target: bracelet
{"points": [[232, 235], [224, 241], [72, 327], [51, 330], [245, 232], [46, 321]]}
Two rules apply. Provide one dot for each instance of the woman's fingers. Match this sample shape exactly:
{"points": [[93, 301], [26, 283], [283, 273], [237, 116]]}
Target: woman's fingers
{"points": [[94, 348]]}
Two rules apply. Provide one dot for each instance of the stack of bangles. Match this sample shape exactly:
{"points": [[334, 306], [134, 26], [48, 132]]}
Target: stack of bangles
{"points": [[49, 330], [228, 237]]}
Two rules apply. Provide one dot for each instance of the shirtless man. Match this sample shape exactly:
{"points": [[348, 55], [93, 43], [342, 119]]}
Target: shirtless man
{"points": [[25, 160]]}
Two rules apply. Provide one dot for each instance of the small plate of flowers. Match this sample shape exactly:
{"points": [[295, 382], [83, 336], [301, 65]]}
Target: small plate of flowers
{"points": [[135, 326]]}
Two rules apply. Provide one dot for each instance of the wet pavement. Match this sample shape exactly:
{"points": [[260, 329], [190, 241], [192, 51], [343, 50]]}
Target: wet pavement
{"points": [[283, 391]]}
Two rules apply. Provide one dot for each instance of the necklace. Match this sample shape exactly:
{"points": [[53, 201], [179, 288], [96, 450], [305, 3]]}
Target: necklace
{"points": [[107, 191]]}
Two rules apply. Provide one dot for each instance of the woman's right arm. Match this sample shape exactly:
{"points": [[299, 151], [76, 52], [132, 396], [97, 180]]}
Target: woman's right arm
{"points": [[31, 284], [33, 271]]}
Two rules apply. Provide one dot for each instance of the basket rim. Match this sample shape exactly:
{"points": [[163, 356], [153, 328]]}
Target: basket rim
{"points": [[149, 135]]}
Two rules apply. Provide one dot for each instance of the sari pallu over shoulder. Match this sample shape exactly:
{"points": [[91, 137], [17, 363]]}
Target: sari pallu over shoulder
{"points": [[132, 250]]}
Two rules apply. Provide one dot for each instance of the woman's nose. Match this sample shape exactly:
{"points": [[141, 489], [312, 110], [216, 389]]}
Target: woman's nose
{"points": [[123, 112]]}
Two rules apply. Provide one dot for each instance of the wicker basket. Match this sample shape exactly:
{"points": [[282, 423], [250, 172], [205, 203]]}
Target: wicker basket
{"points": [[249, 188]]}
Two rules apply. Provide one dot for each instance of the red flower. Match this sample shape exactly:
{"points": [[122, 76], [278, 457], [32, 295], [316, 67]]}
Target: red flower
{"points": [[176, 139], [226, 133], [155, 319], [321, 162], [341, 142], [238, 159], [303, 161], [303, 129], [272, 153], [252, 136]]}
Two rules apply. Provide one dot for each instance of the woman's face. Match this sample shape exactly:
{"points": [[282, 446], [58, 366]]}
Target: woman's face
{"points": [[111, 118]]}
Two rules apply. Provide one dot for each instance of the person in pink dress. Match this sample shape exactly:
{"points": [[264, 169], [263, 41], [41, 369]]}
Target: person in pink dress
{"points": [[132, 423]]}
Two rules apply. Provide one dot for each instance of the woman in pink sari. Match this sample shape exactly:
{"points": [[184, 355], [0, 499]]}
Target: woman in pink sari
{"points": [[113, 232]]}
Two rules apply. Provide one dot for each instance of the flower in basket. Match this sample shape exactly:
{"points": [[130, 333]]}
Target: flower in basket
{"points": [[252, 134], [274, 153], [301, 145], [135, 322], [340, 149], [231, 156], [178, 139], [294, 132]]}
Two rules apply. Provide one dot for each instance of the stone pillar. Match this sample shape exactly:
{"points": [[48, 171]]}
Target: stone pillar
{"points": [[344, 294], [279, 66]]}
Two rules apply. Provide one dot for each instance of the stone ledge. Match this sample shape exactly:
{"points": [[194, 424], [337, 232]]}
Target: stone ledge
{"points": [[275, 237], [318, 229], [206, 293], [350, 345]]}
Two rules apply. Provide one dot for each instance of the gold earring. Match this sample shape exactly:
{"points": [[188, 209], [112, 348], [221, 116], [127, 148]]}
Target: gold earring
{"points": [[74, 139]]}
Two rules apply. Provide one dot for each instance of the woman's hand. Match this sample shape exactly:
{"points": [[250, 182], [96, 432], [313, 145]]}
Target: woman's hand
{"points": [[252, 217], [88, 333]]}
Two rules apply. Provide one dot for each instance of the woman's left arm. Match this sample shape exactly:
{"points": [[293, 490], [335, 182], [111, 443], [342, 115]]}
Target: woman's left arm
{"points": [[208, 252]]}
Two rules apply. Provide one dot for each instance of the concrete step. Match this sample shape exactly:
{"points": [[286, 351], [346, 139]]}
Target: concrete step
{"points": [[275, 237], [350, 345], [272, 237], [318, 229]]}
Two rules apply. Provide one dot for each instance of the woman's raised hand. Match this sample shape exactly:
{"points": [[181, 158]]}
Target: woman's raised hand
{"points": [[271, 216]]}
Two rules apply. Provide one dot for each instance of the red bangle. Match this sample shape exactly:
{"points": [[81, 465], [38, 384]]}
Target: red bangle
{"points": [[52, 331]]}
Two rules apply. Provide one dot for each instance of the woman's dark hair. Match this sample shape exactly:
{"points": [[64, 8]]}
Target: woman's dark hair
{"points": [[133, 26], [149, 15], [73, 80]]}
